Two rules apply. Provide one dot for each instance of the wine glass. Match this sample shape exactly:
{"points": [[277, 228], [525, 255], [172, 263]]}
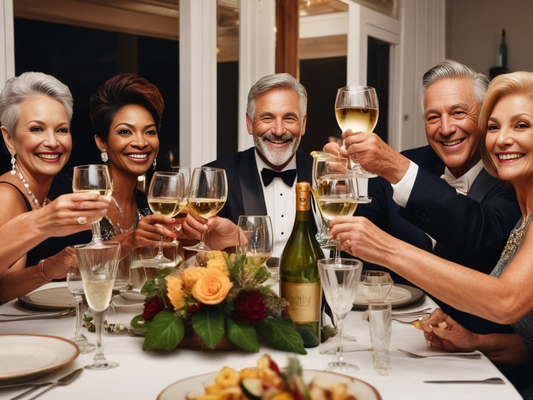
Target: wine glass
{"points": [[93, 179], [207, 195], [186, 172], [166, 196], [357, 108], [376, 285], [257, 238], [339, 279], [75, 286], [98, 267], [336, 192], [322, 163]]}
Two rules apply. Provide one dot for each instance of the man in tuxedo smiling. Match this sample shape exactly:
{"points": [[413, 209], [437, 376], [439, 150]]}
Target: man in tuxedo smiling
{"points": [[261, 180]]}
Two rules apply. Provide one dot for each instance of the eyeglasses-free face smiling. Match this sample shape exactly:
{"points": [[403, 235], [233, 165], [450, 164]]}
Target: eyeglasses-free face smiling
{"points": [[509, 137], [277, 126], [133, 142], [451, 114], [42, 140]]}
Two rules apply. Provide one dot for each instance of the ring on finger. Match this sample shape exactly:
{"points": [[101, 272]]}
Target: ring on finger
{"points": [[82, 220]]}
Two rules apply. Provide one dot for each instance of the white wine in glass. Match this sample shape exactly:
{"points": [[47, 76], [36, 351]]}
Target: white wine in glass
{"points": [[257, 239], [98, 267], [207, 195], [93, 179], [166, 197], [357, 108]]}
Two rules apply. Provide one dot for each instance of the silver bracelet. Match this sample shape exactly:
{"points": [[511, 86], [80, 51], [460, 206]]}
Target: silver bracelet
{"points": [[41, 263]]}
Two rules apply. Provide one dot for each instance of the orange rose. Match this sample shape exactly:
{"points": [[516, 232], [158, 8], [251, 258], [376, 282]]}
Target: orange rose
{"points": [[192, 274], [175, 291], [212, 287]]}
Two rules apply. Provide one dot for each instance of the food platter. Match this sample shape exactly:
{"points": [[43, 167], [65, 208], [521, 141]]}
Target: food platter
{"points": [[195, 385], [27, 357]]}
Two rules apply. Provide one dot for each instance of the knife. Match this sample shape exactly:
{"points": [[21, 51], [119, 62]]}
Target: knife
{"points": [[490, 381], [61, 382]]}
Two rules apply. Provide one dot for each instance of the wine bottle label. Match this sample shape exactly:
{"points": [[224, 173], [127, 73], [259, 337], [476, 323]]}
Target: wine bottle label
{"points": [[304, 301]]}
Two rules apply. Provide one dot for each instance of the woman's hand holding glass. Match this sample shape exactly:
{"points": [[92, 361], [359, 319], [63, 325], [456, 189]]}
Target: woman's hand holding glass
{"points": [[93, 179], [207, 195], [166, 197]]}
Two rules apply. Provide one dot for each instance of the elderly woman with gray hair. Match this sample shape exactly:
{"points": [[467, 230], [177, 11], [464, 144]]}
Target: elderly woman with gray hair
{"points": [[35, 116]]}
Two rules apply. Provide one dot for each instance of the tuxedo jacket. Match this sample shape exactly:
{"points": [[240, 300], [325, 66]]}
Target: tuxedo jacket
{"points": [[245, 191], [470, 230]]}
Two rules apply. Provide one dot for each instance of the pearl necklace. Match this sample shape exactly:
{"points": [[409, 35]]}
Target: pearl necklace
{"points": [[30, 193], [515, 239]]}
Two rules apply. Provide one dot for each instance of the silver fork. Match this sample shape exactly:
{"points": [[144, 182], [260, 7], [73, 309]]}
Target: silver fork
{"points": [[490, 381], [471, 356], [21, 317]]}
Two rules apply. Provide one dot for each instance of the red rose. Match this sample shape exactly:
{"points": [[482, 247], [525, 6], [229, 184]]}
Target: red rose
{"points": [[152, 308], [250, 308], [194, 307]]}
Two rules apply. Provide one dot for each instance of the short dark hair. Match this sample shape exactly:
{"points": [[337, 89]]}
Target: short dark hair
{"points": [[119, 91]]}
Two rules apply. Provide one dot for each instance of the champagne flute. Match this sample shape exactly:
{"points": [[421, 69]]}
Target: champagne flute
{"points": [[166, 196], [75, 286], [337, 195], [98, 267], [207, 195], [93, 179], [339, 278], [357, 108], [257, 238]]}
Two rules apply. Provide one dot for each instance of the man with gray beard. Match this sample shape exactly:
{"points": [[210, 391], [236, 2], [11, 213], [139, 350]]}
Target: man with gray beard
{"points": [[261, 180]]}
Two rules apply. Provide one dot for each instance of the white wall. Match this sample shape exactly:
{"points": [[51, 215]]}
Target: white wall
{"points": [[473, 32]]}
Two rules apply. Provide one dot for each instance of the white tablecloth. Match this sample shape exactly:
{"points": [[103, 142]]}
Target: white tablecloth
{"points": [[143, 375]]}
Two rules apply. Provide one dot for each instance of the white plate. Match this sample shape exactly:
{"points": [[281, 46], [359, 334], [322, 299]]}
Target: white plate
{"points": [[27, 357], [54, 299], [399, 296], [133, 295], [124, 305], [195, 385]]}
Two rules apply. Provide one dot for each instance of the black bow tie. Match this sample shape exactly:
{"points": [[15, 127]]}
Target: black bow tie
{"points": [[288, 176]]}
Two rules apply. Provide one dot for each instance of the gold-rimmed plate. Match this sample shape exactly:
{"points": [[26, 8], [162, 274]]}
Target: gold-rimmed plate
{"points": [[27, 357], [53, 299], [196, 384]]}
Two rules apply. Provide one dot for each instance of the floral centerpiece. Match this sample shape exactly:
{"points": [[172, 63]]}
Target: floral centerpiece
{"points": [[220, 298]]}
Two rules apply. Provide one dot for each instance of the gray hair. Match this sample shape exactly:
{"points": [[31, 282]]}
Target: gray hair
{"points": [[450, 69], [276, 81], [27, 86]]}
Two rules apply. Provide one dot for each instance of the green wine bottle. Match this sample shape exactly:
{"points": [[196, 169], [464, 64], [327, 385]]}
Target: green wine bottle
{"points": [[299, 278]]}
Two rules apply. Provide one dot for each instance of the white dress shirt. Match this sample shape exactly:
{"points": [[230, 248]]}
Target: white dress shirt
{"points": [[280, 201], [402, 190]]}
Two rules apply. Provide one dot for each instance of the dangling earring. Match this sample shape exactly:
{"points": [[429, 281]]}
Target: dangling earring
{"points": [[13, 164], [155, 163], [104, 156]]}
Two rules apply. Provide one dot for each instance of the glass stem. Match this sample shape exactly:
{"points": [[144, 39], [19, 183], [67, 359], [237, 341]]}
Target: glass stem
{"points": [[79, 300], [201, 245], [159, 250], [337, 255], [339, 332], [97, 235], [99, 358]]}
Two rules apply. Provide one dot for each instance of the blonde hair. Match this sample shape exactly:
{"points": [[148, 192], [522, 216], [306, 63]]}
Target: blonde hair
{"points": [[503, 85]]}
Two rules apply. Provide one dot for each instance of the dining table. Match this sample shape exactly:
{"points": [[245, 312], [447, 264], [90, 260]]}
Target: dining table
{"points": [[146, 374]]}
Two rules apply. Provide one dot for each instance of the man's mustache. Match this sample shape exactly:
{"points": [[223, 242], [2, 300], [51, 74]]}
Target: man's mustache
{"points": [[273, 138]]}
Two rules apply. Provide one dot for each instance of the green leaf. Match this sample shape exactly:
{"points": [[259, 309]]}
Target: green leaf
{"points": [[282, 335], [164, 332], [208, 323], [242, 335], [139, 325], [165, 271]]}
